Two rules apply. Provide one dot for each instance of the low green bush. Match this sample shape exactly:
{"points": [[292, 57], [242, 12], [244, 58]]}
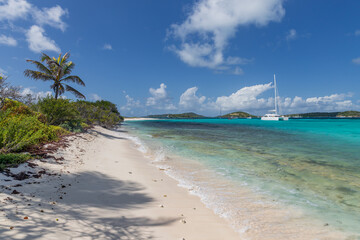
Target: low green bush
{"points": [[20, 128], [10, 159], [57, 111], [103, 113]]}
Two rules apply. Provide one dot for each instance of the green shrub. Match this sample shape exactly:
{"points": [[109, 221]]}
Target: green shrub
{"points": [[57, 111], [20, 128], [103, 113], [10, 159]]}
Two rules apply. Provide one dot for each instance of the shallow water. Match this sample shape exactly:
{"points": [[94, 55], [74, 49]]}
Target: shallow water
{"points": [[271, 178]]}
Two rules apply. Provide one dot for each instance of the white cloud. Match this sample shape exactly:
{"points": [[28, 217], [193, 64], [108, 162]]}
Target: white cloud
{"points": [[334, 102], [95, 97], [356, 60], [38, 42], [357, 33], [190, 101], [159, 98], [245, 99], [36, 95], [291, 35], [107, 46], [9, 41], [14, 9], [51, 16], [131, 104], [205, 33]]}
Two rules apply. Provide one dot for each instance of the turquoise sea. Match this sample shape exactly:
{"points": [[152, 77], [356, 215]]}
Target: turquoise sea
{"points": [[301, 175]]}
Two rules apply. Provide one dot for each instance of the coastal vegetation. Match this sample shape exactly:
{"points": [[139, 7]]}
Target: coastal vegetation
{"points": [[26, 122]]}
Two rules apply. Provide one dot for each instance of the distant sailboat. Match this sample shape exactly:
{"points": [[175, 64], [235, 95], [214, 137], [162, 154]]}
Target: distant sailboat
{"points": [[274, 116]]}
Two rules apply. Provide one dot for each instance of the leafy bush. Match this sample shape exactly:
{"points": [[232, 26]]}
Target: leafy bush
{"points": [[20, 128], [103, 113], [57, 111], [9, 159]]}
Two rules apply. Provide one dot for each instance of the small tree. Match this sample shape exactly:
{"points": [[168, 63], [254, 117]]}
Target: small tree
{"points": [[57, 71], [8, 91]]}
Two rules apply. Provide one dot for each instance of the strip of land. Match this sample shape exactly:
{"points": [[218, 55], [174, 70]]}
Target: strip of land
{"points": [[101, 187]]}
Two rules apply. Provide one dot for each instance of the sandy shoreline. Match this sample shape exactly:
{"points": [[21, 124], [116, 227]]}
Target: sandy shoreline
{"points": [[102, 189]]}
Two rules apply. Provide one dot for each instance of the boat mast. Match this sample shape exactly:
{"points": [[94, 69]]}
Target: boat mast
{"points": [[275, 96]]}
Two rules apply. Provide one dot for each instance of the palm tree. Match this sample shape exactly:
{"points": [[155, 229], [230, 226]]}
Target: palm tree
{"points": [[57, 70]]}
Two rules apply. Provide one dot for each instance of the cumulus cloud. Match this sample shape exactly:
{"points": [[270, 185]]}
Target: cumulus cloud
{"points": [[334, 102], [95, 97], [35, 95], [190, 101], [291, 35], [131, 104], [205, 33], [107, 46], [14, 9], [51, 16], [159, 98], [245, 98], [38, 42], [9, 41], [356, 60]]}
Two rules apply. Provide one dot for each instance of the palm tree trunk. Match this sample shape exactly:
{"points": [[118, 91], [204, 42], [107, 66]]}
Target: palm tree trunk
{"points": [[56, 93]]}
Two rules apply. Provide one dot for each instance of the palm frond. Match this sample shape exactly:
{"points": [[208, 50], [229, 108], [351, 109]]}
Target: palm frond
{"points": [[38, 75], [74, 91], [65, 58], [45, 57], [40, 66], [68, 68], [74, 79]]}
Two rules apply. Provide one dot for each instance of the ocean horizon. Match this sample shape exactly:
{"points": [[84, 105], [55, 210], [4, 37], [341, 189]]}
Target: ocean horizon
{"points": [[264, 176]]}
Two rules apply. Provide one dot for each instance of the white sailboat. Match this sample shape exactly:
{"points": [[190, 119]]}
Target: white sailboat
{"points": [[274, 116]]}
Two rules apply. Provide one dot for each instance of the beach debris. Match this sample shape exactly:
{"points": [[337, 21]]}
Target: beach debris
{"points": [[26, 218], [17, 185], [326, 224], [154, 180], [130, 172], [15, 192], [183, 221], [161, 169], [57, 219], [61, 197], [165, 195], [161, 206], [41, 210], [63, 186], [11, 228], [194, 208]]}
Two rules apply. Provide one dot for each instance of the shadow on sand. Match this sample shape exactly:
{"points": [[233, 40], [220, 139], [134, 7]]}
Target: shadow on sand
{"points": [[89, 191]]}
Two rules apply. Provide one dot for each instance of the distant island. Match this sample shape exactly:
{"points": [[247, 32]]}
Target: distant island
{"points": [[238, 115], [346, 114]]}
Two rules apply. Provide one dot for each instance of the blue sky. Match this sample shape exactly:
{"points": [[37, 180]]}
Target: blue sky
{"points": [[166, 56]]}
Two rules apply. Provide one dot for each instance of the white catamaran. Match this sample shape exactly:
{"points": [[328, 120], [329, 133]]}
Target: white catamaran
{"points": [[274, 116]]}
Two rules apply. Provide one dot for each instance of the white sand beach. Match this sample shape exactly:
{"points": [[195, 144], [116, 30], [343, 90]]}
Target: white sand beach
{"points": [[102, 189]]}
